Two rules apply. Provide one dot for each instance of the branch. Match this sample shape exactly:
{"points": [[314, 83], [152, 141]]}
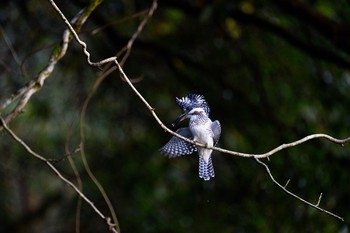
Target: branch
{"points": [[127, 50], [108, 69], [256, 156], [26, 92], [284, 146], [316, 206], [80, 185], [57, 172], [83, 155], [82, 43]]}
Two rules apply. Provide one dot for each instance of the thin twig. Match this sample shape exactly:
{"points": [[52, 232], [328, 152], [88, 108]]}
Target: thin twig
{"points": [[98, 64], [67, 154], [138, 31], [26, 92], [82, 43], [319, 200], [284, 146], [78, 179], [53, 168], [118, 21], [285, 186], [9, 45], [296, 196], [126, 50], [83, 154]]}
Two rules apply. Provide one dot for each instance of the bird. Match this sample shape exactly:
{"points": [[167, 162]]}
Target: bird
{"points": [[201, 129]]}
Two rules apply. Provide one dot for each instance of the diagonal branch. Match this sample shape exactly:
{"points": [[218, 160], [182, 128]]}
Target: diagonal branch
{"points": [[82, 43], [127, 50], [284, 146], [25, 93], [256, 156], [109, 68], [264, 155], [83, 154], [316, 206], [57, 172]]}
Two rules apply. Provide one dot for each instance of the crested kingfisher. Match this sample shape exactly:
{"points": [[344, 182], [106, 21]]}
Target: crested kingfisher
{"points": [[201, 129]]}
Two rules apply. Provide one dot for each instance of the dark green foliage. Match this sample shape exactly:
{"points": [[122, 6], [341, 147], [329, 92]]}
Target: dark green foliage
{"points": [[271, 73]]}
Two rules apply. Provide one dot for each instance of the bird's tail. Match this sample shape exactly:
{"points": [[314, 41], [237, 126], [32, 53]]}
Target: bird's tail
{"points": [[206, 169]]}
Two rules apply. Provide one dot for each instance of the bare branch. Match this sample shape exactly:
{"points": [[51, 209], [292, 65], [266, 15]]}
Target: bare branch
{"points": [[26, 92], [285, 186], [57, 172], [118, 21], [82, 43], [127, 48], [78, 179], [138, 31], [87, 100], [264, 155], [83, 155], [296, 196], [284, 146], [110, 59], [319, 200], [9, 45], [256, 156], [108, 69]]}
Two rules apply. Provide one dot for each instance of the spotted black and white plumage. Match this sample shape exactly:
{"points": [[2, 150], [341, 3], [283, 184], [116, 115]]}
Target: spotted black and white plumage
{"points": [[201, 129], [177, 147], [192, 101], [206, 169]]}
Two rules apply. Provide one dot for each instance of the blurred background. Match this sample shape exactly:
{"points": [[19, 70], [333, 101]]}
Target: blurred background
{"points": [[272, 71]]}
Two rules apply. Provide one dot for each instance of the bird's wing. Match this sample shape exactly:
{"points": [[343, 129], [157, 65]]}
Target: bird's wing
{"points": [[177, 147], [216, 128]]}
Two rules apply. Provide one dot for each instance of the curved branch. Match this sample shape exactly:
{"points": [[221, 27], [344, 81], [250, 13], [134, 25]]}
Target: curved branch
{"points": [[82, 43], [26, 92], [127, 48], [284, 146], [316, 206], [264, 155], [83, 154], [57, 172], [256, 156]]}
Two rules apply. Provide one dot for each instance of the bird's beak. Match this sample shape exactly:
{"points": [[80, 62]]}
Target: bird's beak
{"points": [[179, 119]]}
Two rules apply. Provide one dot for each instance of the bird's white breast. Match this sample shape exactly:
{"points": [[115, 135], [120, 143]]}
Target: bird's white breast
{"points": [[202, 133]]}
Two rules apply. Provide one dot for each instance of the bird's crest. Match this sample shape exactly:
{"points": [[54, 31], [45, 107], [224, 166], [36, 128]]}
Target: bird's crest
{"points": [[191, 101]]}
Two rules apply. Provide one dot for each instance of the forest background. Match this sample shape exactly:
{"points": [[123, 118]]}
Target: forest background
{"points": [[272, 71]]}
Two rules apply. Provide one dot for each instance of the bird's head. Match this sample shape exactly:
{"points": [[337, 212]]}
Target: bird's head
{"points": [[189, 114]]}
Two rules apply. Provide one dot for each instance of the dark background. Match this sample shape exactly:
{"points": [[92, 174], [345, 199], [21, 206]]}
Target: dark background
{"points": [[272, 71]]}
